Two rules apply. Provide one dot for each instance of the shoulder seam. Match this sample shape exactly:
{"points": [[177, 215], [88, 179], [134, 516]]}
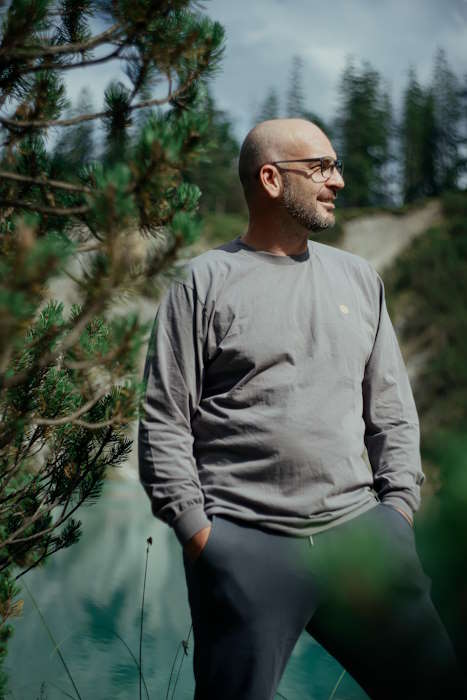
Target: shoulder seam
{"points": [[195, 294]]}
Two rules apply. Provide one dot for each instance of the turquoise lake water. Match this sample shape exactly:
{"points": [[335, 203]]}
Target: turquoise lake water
{"points": [[91, 592]]}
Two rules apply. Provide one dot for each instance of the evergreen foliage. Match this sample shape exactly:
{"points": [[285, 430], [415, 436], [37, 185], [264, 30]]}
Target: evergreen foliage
{"points": [[423, 155], [296, 96], [427, 290], [270, 107], [431, 133], [418, 142], [296, 91], [70, 380], [216, 171], [364, 128], [75, 146], [447, 108], [428, 283], [445, 553]]}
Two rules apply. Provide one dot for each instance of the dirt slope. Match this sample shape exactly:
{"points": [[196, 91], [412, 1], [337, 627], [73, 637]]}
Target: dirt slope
{"points": [[381, 237]]}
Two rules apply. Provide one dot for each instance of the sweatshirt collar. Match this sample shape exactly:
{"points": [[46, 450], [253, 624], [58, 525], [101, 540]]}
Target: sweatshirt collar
{"points": [[273, 257]]}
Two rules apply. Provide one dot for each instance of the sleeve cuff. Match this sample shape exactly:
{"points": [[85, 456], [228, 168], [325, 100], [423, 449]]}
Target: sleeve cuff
{"points": [[397, 502], [189, 523]]}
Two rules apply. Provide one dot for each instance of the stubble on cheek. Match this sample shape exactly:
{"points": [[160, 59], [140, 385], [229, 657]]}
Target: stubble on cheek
{"points": [[307, 210]]}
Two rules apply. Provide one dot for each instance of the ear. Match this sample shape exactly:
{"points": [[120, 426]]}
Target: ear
{"points": [[271, 181]]}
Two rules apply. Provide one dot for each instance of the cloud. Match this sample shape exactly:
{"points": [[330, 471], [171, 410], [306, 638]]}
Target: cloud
{"points": [[392, 35], [263, 36]]}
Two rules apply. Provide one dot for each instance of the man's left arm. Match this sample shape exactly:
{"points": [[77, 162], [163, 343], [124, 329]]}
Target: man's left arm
{"points": [[392, 433]]}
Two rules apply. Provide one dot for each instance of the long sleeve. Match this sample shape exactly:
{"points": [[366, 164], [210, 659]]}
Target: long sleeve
{"points": [[392, 435], [174, 374]]}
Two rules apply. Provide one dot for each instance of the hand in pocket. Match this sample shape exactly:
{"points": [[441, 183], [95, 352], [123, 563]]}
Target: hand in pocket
{"points": [[197, 543]]}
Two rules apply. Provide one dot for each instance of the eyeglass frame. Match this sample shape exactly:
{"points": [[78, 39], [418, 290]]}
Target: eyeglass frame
{"points": [[335, 162]]}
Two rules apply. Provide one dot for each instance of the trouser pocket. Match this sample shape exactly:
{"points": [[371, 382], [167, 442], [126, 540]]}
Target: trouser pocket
{"points": [[205, 552]]}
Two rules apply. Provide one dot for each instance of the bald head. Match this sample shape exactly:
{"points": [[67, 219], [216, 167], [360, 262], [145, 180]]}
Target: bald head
{"points": [[277, 139]]}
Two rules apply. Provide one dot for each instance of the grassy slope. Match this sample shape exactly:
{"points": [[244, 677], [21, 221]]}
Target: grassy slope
{"points": [[427, 286]]}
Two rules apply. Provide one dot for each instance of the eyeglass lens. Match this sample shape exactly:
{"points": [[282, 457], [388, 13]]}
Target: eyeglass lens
{"points": [[328, 165]]}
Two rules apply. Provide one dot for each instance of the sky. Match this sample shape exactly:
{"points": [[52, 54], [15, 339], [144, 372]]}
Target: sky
{"points": [[262, 36]]}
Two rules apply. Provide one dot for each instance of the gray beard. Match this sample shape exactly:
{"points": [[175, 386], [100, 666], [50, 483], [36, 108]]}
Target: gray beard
{"points": [[309, 218]]}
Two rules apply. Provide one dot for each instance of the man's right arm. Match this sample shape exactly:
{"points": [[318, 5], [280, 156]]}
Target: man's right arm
{"points": [[174, 374]]}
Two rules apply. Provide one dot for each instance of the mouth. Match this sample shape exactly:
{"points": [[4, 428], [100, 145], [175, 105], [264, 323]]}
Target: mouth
{"points": [[327, 203]]}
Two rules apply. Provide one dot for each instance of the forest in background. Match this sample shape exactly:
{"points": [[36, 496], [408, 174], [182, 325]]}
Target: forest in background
{"points": [[390, 159]]}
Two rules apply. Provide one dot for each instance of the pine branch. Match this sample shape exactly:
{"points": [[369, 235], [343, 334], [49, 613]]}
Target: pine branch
{"points": [[71, 417], [69, 66], [4, 362], [88, 248], [57, 184], [41, 209], [110, 356], [116, 420], [46, 554], [86, 315], [9, 473], [47, 123], [78, 47], [76, 328], [12, 538], [41, 512], [19, 495], [38, 513]]}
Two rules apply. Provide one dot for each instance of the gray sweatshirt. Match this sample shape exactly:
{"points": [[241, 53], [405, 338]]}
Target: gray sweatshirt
{"points": [[267, 376]]}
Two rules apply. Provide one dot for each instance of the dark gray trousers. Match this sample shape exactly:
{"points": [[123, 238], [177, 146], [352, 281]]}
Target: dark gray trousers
{"points": [[358, 588]]}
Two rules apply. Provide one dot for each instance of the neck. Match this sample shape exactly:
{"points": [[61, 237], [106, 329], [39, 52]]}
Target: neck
{"points": [[275, 236]]}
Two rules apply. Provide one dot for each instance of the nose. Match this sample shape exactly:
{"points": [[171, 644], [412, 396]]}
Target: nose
{"points": [[336, 180]]}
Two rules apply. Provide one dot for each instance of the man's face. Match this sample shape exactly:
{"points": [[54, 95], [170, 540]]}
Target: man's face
{"points": [[306, 199]]}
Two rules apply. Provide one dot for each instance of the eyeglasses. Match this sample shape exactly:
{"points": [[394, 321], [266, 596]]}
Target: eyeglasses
{"points": [[326, 165]]}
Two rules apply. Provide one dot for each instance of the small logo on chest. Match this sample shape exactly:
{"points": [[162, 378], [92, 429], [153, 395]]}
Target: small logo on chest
{"points": [[344, 309]]}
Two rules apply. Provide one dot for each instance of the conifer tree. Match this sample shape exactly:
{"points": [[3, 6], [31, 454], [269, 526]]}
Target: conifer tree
{"points": [[296, 92], [463, 127], [417, 142], [69, 381], [76, 145], [269, 108], [363, 135], [216, 170], [446, 92]]}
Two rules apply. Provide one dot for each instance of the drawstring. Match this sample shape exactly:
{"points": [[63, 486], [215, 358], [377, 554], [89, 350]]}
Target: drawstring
{"points": [[311, 540]]}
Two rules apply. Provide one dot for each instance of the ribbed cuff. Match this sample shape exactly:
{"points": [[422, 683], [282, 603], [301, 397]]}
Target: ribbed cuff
{"points": [[189, 523], [396, 502]]}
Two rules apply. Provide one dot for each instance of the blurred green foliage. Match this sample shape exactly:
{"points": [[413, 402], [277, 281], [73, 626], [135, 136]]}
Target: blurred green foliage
{"points": [[215, 173], [427, 286], [427, 289]]}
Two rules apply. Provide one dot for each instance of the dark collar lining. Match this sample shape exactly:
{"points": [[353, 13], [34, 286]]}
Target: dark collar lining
{"points": [[272, 257]]}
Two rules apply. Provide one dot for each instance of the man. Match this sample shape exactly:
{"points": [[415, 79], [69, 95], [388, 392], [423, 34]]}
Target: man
{"points": [[272, 364]]}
